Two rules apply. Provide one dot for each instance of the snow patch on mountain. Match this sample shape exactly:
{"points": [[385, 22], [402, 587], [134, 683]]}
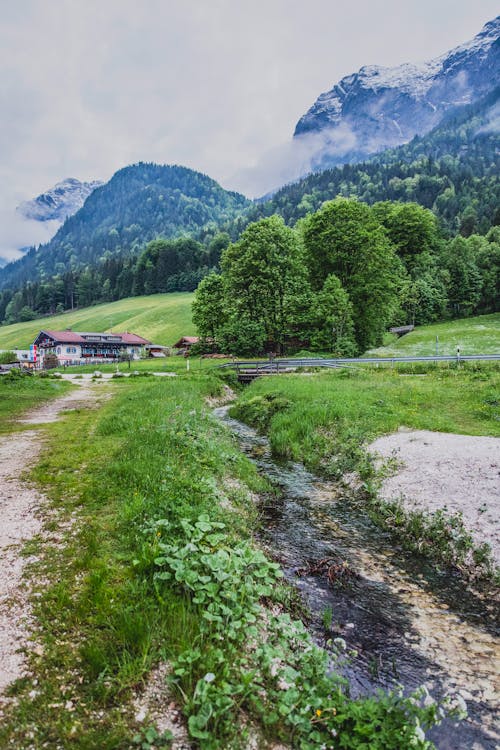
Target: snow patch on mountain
{"points": [[61, 201], [384, 107]]}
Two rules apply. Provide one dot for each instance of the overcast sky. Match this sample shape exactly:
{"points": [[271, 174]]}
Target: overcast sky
{"points": [[87, 87]]}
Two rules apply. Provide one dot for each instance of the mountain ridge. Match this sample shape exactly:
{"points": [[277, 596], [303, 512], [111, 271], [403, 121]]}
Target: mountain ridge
{"points": [[139, 203], [378, 108]]}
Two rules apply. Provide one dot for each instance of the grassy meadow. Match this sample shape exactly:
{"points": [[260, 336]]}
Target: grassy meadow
{"points": [[147, 557], [161, 318], [479, 335], [20, 393], [322, 417], [326, 420]]}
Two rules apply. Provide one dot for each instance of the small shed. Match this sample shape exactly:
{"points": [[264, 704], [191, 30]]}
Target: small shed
{"points": [[401, 330], [185, 343], [157, 350]]}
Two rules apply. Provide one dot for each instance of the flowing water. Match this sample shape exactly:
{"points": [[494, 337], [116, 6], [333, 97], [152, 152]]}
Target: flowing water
{"points": [[409, 622]]}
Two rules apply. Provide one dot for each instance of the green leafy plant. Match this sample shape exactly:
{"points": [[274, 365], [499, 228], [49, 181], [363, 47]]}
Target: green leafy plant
{"points": [[248, 659], [150, 739]]}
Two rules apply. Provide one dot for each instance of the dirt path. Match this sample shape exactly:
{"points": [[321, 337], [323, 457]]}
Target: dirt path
{"points": [[20, 520]]}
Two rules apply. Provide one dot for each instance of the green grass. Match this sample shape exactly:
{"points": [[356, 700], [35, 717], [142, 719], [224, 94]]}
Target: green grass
{"points": [[174, 363], [355, 406], [139, 479], [326, 420], [479, 335], [152, 452], [161, 318], [18, 394]]}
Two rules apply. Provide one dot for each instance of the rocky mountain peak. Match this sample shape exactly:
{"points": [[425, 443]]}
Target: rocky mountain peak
{"points": [[380, 107], [61, 201]]}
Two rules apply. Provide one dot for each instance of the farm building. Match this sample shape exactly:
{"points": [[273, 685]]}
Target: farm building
{"points": [[185, 343], [157, 350], [74, 348]]}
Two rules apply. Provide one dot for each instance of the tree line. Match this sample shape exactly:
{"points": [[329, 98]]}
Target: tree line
{"points": [[338, 279], [163, 266]]}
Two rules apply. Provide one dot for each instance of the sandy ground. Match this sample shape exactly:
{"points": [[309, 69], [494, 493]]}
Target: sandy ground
{"points": [[458, 473], [20, 514]]}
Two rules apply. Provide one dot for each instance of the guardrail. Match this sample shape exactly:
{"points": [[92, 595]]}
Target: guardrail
{"points": [[267, 366]]}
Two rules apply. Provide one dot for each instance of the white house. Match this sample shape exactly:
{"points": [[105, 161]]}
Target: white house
{"points": [[74, 348]]}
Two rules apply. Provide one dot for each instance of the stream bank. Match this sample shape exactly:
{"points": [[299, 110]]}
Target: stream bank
{"points": [[409, 622]]}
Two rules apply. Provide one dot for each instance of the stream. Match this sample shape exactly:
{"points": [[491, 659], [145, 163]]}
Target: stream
{"points": [[410, 622]]}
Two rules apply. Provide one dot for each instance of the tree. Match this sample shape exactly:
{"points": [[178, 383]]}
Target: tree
{"points": [[208, 306], [333, 327], [464, 286], [264, 275], [13, 309], [411, 228], [25, 314], [344, 238], [487, 254]]}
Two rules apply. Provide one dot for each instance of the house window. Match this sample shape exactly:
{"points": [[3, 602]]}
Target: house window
{"points": [[58, 350]]}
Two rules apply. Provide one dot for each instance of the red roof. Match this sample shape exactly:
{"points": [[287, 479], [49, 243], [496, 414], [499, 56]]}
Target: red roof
{"points": [[72, 337], [132, 338], [187, 340], [65, 337]]}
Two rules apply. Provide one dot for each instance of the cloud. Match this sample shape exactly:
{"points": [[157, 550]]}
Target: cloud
{"points": [[87, 88], [17, 232], [293, 159], [492, 124]]}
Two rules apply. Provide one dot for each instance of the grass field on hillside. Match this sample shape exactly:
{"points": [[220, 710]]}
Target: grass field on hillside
{"points": [[479, 335], [161, 318]]}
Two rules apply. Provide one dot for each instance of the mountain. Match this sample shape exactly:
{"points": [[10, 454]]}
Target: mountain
{"points": [[378, 108], [452, 170], [139, 203], [61, 201]]}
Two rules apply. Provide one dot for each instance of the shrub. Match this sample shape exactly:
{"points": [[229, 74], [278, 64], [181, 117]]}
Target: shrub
{"points": [[8, 358]]}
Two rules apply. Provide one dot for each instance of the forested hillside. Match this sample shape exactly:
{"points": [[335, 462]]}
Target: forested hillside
{"points": [[139, 203], [453, 171]]}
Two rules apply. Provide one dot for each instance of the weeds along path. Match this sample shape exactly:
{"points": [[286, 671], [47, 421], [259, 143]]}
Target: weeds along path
{"points": [[21, 519]]}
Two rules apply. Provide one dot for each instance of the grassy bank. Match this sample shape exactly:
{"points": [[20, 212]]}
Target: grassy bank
{"points": [[147, 557], [20, 393], [478, 335], [326, 420]]}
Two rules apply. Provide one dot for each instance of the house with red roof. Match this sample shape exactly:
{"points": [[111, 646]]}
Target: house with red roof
{"points": [[75, 348]]}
